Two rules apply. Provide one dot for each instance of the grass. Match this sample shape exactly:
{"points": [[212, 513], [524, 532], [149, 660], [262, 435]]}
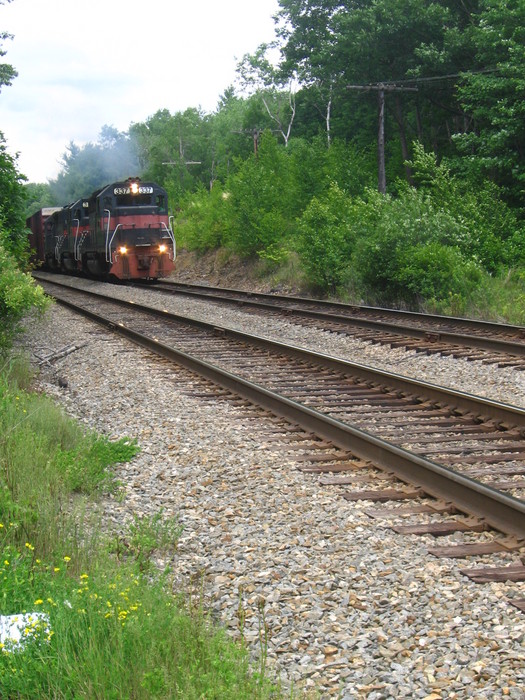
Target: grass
{"points": [[108, 624]]}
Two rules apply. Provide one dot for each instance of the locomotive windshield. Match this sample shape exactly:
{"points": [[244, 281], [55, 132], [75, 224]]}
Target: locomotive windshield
{"points": [[133, 200]]}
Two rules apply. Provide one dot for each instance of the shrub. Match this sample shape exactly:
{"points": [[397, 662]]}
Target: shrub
{"points": [[325, 239], [409, 249], [489, 231], [18, 294], [202, 222], [261, 200], [435, 272]]}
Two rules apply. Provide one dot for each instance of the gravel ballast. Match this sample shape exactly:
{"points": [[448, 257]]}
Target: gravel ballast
{"points": [[340, 604]]}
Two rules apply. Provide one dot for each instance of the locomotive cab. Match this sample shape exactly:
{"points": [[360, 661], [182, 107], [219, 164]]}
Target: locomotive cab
{"points": [[132, 235]]}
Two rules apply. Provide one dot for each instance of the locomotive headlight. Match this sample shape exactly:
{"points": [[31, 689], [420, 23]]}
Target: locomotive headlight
{"points": [[134, 187], [123, 250], [163, 248]]}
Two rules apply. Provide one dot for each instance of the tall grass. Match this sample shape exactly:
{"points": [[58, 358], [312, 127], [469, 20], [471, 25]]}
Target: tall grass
{"points": [[108, 626], [499, 298]]}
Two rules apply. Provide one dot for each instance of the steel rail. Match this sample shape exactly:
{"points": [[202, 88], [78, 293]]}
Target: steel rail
{"points": [[498, 510], [461, 402], [281, 303]]}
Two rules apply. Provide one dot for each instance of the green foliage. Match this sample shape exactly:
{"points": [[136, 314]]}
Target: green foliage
{"points": [[434, 271], [7, 72], [179, 151], [487, 230], [261, 198], [18, 295], [256, 210], [496, 99], [85, 468], [399, 242], [459, 206], [111, 634], [12, 202], [326, 239], [38, 196], [109, 631], [39, 439], [201, 223], [147, 535]]}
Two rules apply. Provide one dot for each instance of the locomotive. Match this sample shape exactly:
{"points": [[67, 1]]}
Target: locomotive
{"points": [[122, 231]]}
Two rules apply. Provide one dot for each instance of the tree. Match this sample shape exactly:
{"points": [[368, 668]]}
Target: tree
{"points": [[38, 195], [326, 241], [309, 45], [173, 150], [495, 98], [261, 200], [12, 203], [274, 88], [229, 134], [7, 72], [18, 291], [366, 42]]}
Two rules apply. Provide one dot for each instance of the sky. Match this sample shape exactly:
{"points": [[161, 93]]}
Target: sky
{"points": [[86, 63]]}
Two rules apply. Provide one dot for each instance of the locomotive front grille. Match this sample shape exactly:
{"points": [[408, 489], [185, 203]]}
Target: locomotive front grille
{"points": [[140, 237]]}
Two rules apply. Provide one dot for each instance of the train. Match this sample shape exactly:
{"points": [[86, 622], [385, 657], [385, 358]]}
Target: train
{"points": [[122, 231]]}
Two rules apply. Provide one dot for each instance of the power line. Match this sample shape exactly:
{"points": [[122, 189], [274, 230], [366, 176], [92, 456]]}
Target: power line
{"points": [[405, 85], [393, 84]]}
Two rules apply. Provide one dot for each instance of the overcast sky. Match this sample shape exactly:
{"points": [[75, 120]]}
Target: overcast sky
{"points": [[85, 63]]}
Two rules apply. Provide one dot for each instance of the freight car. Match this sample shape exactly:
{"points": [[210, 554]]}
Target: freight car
{"points": [[122, 231]]}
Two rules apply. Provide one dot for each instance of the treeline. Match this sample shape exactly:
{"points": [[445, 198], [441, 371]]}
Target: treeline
{"points": [[287, 165]]}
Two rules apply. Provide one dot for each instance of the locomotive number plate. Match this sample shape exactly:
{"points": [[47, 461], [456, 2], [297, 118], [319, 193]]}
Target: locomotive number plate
{"points": [[142, 189]]}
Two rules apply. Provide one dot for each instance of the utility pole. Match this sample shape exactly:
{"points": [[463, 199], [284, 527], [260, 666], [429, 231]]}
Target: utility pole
{"points": [[381, 88], [256, 134]]}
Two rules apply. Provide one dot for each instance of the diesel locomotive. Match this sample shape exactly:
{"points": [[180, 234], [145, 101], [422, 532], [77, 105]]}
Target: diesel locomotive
{"points": [[122, 231]]}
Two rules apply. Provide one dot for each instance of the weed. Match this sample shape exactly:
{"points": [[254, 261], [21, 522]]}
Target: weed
{"points": [[95, 626]]}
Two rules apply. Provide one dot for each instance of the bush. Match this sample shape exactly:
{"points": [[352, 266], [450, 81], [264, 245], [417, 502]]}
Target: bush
{"points": [[488, 231], [18, 294], [261, 200], [325, 240], [408, 249], [203, 220], [435, 272]]}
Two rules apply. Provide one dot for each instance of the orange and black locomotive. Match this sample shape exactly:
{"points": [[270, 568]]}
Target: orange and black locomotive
{"points": [[121, 231]]}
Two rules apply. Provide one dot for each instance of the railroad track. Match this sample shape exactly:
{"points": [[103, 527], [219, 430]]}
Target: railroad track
{"points": [[466, 452], [491, 343]]}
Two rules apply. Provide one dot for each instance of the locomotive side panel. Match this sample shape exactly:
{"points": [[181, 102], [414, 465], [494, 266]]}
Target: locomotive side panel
{"points": [[76, 227], [35, 224]]}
